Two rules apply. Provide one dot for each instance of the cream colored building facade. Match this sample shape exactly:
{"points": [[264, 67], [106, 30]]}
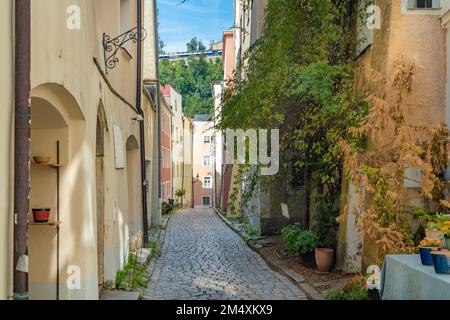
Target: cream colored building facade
{"points": [[151, 84], [187, 167], [176, 104], [84, 117]]}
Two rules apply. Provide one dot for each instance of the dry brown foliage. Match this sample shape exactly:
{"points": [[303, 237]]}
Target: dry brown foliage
{"points": [[395, 143]]}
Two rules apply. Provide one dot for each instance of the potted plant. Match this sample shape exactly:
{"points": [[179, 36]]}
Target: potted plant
{"points": [[307, 243], [290, 235], [445, 229], [325, 227], [434, 228], [41, 215], [180, 193], [324, 259], [296, 240], [427, 246], [441, 262]]}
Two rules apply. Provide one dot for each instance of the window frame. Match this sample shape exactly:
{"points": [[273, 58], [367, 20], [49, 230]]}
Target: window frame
{"points": [[413, 5], [209, 201], [209, 160], [210, 182]]}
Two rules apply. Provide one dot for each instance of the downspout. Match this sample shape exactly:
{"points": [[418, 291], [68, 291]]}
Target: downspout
{"points": [[21, 144], [158, 107], [182, 166], [192, 161], [139, 88]]}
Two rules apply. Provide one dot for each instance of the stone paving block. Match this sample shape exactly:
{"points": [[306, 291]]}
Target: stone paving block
{"points": [[120, 295], [202, 258]]}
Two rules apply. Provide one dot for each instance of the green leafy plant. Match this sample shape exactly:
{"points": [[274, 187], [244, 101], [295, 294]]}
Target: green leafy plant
{"points": [[355, 289], [180, 193], [307, 242], [167, 208], [155, 247], [303, 85], [250, 230], [193, 78], [297, 240], [325, 225], [134, 275], [244, 224], [290, 236]]}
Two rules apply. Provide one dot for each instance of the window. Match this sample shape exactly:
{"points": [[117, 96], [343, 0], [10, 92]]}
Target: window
{"points": [[206, 201], [207, 161], [424, 4], [207, 139], [207, 182]]}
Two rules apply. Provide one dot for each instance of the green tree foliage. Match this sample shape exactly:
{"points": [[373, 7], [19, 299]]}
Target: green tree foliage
{"points": [[195, 45], [298, 77], [193, 79], [162, 45]]}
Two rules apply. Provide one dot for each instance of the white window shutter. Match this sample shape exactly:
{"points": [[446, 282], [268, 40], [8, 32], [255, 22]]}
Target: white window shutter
{"points": [[436, 4], [412, 4], [119, 148]]}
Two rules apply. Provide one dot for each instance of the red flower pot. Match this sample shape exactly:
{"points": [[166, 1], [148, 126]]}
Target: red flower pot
{"points": [[41, 215]]}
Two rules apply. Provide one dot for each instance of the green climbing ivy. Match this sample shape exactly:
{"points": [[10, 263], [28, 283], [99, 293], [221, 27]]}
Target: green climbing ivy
{"points": [[298, 77]]}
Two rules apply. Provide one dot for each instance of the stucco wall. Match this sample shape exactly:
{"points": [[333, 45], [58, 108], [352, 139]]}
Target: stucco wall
{"points": [[202, 129], [6, 146], [188, 161], [410, 35], [166, 146], [64, 74], [176, 103]]}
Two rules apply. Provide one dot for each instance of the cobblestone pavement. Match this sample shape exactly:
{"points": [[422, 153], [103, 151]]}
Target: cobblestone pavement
{"points": [[202, 259]]}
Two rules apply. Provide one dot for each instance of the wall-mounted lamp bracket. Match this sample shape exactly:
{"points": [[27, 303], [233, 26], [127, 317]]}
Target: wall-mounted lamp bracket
{"points": [[111, 46]]}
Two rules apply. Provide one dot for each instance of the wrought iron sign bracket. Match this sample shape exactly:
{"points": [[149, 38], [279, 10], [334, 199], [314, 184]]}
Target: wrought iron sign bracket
{"points": [[112, 46]]}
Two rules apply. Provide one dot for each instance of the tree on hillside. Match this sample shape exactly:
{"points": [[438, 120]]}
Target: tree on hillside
{"points": [[193, 79], [162, 45], [195, 45]]}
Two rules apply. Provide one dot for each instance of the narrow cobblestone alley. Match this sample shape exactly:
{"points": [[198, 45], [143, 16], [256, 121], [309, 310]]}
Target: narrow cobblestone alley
{"points": [[202, 259]]}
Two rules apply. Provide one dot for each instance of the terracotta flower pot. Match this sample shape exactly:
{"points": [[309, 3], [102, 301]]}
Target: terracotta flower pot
{"points": [[41, 215], [324, 259]]}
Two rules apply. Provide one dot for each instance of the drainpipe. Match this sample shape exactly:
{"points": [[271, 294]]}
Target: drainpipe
{"points": [[158, 108], [21, 144], [139, 87], [182, 166]]}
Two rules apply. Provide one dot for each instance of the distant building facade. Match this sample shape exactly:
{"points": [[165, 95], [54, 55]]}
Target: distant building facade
{"points": [[166, 145], [203, 166]]}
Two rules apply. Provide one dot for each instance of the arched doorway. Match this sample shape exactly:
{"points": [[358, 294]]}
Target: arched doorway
{"points": [[49, 139], [57, 131], [134, 189], [101, 131]]}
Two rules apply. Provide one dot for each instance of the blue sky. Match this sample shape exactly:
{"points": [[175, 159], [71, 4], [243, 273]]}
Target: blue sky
{"points": [[204, 19]]}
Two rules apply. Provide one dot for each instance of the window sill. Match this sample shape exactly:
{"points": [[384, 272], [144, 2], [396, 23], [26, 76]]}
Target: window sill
{"points": [[424, 9]]}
